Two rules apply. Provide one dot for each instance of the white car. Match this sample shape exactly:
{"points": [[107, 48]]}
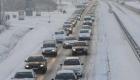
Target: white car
{"points": [[84, 34], [68, 42], [87, 28], [65, 75], [73, 63], [60, 36], [24, 75]]}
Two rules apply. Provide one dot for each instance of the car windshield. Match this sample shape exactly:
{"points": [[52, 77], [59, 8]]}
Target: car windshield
{"points": [[67, 22], [68, 25], [84, 31], [72, 62], [23, 75], [65, 76], [36, 59], [88, 18], [49, 45], [70, 38], [80, 44], [61, 32]]}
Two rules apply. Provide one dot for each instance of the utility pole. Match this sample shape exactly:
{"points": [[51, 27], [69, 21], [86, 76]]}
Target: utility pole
{"points": [[1, 13]]}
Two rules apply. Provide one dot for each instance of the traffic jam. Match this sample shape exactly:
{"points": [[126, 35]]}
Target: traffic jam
{"points": [[73, 40]]}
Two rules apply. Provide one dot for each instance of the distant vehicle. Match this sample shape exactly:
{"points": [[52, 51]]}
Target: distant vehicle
{"points": [[68, 42], [87, 23], [86, 27], [92, 18], [68, 27], [73, 21], [88, 18], [37, 63], [65, 75], [60, 36], [84, 34], [73, 63], [24, 75], [80, 47], [49, 48]]}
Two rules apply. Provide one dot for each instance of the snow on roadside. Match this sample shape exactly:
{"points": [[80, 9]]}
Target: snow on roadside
{"points": [[135, 4], [9, 39], [132, 21], [113, 46], [30, 42]]}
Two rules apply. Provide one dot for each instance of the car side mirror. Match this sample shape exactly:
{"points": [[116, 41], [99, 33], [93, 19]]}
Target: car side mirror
{"points": [[26, 61], [61, 64], [52, 79], [41, 47], [12, 78]]}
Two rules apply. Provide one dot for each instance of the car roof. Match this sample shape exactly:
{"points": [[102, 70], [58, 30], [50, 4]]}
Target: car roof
{"points": [[72, 58], [35, 56], [25, 70], [49, 41], [65, 71]]}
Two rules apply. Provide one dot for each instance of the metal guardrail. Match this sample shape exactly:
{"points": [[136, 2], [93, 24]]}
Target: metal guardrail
{"points": [[132, 42]]}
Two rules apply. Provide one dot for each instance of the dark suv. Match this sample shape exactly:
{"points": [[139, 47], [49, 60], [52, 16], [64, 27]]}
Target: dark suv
{"points": [[37, 63], [49, 49], [80, 47]]}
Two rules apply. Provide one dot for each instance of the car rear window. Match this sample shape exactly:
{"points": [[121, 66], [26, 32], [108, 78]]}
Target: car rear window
{"points": [[72, 62], [80, 44], [61, 32], [23, 75]]}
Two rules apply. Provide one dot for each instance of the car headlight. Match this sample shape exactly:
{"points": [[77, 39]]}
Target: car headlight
{"points": [[53, 50], [70, 29], [27, 66], [41, 65], [74, 49], [66, 43]]}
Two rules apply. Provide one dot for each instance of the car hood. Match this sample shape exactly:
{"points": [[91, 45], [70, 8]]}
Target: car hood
{"points": [[77, 67], [35, 63], [84, 34], [77, 47], [51, 48], [59, 36], [70, 41]]}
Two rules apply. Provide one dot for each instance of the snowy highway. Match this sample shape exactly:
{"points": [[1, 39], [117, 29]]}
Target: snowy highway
{"points": [[114, 48]]}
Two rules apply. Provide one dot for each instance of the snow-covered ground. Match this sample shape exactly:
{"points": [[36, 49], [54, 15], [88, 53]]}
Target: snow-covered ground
{"points": [[135, 4], [115, 59], [131, 21], [30, 43]]}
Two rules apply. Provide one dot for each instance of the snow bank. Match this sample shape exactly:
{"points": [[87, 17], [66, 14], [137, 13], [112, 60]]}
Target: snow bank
{"points": [[8, 40]]}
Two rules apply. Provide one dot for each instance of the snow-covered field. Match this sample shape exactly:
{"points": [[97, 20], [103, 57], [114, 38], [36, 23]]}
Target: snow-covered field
{"points": [[115, 58], [30, 43]]}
